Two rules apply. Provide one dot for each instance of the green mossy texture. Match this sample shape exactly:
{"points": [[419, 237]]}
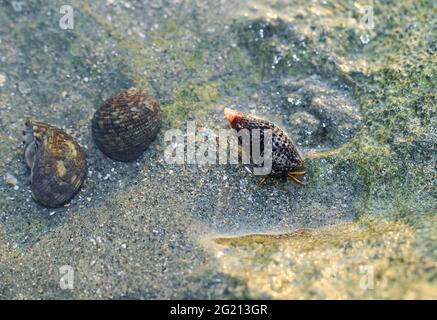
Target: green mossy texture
{"points": [[195, 64]]}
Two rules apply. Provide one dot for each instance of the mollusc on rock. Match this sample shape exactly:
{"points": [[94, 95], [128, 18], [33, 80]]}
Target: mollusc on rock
{"points": [[148, 229]]}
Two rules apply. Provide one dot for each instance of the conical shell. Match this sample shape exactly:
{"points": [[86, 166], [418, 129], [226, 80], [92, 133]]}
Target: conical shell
{"points": [[57, 163], [285, 156], [126, 124]]}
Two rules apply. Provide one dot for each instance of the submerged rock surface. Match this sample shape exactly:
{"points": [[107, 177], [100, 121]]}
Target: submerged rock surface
{"points": [[359, 101]]}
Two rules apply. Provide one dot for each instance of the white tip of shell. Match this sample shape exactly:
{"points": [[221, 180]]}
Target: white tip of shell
{"points": [[230, 114]]}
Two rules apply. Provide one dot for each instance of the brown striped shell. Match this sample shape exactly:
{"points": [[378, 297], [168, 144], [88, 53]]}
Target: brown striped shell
{"points": [[56, 161], [285, 156], [126, 124]]}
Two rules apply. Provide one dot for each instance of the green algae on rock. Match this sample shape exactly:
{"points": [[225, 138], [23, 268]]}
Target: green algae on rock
{"points": [[376, 179], [330, 263]]}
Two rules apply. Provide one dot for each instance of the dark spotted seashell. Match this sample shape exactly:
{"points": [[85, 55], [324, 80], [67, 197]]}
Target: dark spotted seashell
{"points": [[286, 159], [126, 124], [56, 161]]}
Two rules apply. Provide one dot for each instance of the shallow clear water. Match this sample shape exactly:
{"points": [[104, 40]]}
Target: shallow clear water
{"points": [[358, 99]]}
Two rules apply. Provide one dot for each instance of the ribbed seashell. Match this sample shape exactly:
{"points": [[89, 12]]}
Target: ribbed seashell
{"points": [[285, 156], [126, 124], [56, 161]]}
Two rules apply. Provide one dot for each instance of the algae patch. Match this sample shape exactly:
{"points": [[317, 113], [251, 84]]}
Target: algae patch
{"points": [[330, 263]]}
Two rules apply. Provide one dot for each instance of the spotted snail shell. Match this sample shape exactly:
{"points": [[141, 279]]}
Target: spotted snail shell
{"points": [[57, 163], [126, 124], [285, 156]]}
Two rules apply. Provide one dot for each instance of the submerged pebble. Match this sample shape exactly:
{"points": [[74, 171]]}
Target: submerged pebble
{"points": [[11, 179]]}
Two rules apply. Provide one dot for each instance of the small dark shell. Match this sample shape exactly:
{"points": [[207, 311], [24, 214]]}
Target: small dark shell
{"points": [[57, 163], [126, 124], [285, 156]]}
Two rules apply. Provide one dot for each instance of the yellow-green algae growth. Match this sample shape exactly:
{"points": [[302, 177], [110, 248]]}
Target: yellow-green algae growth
{"points": [[141, 241], [331, 263]]}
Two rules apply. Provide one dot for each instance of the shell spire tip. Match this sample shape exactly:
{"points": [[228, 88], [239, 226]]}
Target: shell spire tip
{"points": [[230, 114]]}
